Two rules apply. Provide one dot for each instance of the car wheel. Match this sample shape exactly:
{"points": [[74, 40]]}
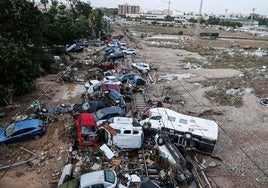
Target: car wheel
{"points": [[147, 126], [37, 137], [160, 141]]}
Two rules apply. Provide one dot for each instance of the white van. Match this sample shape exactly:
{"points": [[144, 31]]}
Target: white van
{"points": [[100, 178], [122, 133]]}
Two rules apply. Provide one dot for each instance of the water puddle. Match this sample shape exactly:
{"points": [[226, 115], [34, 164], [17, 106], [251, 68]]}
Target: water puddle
{"points": [[68, 91], [73, 90], [170, 77], [239, 91]]}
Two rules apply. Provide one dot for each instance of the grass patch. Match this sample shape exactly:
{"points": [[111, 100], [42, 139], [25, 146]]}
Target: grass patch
{"points": [[220, 97]]}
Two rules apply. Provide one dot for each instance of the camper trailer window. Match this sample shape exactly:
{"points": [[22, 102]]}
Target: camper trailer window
{"points": [[171, 118], [184, 121]]}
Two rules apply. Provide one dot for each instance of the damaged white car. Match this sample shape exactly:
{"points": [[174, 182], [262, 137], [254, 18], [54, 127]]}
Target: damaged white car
{"points": [[170, 152], [122, 133], [192, 132]]}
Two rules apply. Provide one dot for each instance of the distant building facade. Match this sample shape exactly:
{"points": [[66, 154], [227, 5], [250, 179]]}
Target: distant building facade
{"points": [[243, 21], [125, 9]]}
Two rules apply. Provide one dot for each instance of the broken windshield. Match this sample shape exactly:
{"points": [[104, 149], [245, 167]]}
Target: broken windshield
{"points": [[10, 129]]}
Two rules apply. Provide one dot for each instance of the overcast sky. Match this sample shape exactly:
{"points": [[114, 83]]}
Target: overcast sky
{"points": [[209, 6]]}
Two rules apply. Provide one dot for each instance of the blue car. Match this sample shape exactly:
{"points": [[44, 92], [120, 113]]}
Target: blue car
{"points": [[22, 130]]}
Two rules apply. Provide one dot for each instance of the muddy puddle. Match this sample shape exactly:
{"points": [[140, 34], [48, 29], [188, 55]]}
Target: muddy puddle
{"points": [[69, 91]]}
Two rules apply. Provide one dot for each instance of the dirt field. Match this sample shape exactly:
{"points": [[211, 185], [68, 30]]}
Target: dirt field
{"points": [[186, 77], [242, 142]]}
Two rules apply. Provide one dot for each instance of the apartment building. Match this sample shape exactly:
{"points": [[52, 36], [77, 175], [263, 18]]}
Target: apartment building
{"points": [[125, 9]]}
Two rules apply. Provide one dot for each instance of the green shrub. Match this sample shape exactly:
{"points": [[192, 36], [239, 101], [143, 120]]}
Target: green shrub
{"points": [[180, 33]]}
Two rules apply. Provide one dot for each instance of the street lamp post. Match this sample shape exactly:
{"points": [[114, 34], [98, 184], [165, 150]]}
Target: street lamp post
{"points": [[251, 20]]}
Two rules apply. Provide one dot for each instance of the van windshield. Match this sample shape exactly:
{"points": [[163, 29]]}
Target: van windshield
{"points": [[109, 176]]}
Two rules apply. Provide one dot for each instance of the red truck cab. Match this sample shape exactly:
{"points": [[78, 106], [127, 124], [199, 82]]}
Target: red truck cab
{"points": [[86, 130]]}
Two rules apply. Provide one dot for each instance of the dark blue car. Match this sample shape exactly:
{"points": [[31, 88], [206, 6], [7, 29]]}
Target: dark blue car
{"points": [[115, 98], [22, 130], [127, 76]]}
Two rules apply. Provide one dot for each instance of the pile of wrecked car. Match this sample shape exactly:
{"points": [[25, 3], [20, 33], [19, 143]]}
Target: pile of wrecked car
{"points": [[123, 147], [150, 147]]}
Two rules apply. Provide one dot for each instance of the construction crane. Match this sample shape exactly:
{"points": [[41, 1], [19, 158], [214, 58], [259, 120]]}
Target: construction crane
{"points": [[168, 2]]}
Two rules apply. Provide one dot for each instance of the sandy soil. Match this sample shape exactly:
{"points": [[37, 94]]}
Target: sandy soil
{"points": [[242, 143]]}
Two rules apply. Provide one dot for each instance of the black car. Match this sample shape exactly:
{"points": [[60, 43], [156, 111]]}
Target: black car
{"points": [[89, 107], [106, 113]]}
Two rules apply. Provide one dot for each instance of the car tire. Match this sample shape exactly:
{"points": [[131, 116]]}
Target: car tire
{"points": [[37, 137], [160, 141], [146, 126]]}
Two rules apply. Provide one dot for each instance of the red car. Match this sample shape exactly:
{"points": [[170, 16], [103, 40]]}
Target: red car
{"points": [[86, 130], [105, 88], [120, 36], [107, 41], [108, 65]]}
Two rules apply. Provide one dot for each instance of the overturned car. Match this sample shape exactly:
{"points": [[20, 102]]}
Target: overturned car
{"points": [[193, 133], [175, 157]]}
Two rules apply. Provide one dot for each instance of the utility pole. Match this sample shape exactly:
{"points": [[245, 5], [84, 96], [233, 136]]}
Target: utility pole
{"points": [[199, 19], [168, 2], [251, 20]]}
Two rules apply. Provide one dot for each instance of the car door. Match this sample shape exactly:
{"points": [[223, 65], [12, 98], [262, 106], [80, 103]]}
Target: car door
{"points": [[21, 135], [29, 133], [126, 139], [16, 136], [105, 136], [156, 122]]}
